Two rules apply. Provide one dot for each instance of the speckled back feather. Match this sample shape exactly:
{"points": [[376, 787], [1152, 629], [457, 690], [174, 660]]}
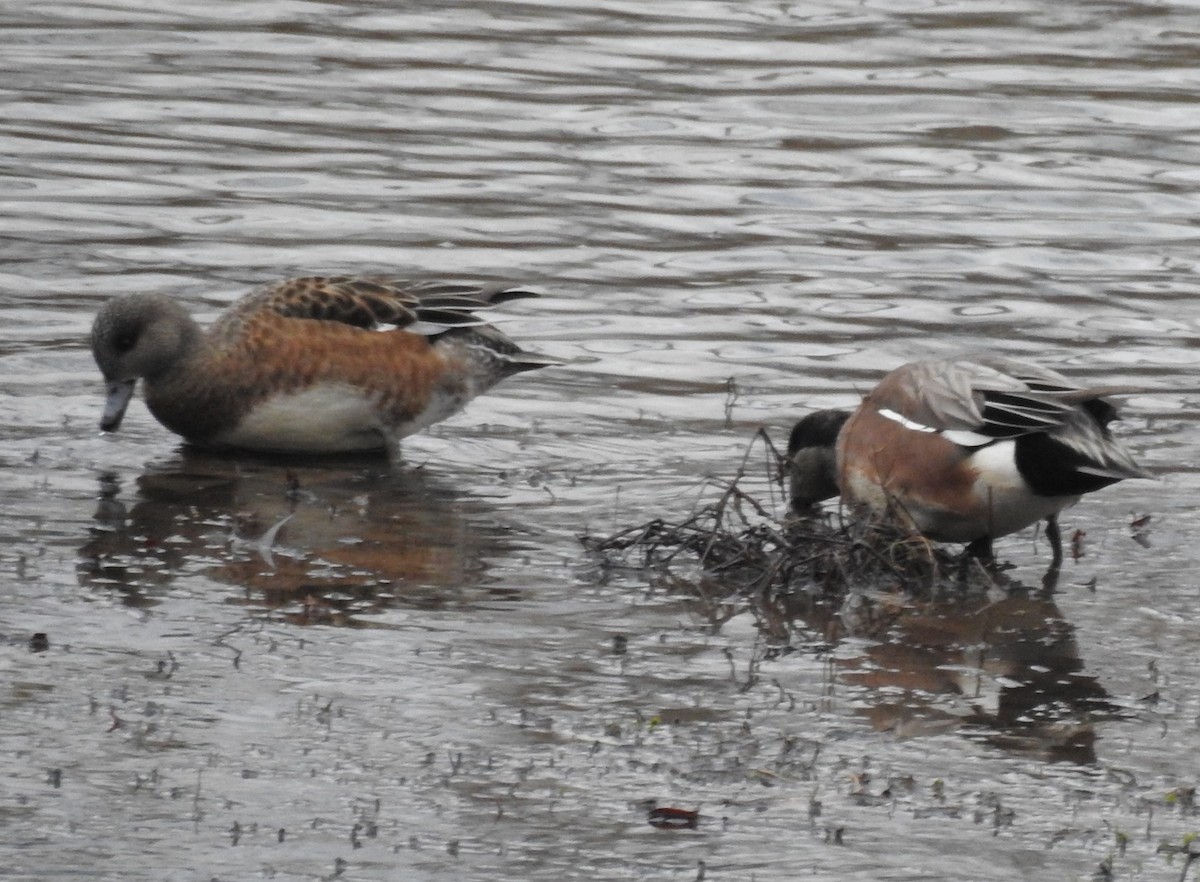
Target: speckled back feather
{"points": [[373, 301]]}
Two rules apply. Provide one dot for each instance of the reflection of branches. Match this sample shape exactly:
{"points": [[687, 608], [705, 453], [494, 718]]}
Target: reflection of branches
{"points": [[1190, 851]]}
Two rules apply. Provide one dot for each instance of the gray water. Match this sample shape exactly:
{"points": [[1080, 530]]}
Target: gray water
{"points": [[737, 212]]}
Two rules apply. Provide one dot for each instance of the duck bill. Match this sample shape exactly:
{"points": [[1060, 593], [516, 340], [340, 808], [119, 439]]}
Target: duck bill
{"points": [[118, 393]]}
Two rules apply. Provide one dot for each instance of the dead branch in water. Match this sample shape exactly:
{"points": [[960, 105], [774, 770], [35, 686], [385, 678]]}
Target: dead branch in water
{"points": [[764, 548]]}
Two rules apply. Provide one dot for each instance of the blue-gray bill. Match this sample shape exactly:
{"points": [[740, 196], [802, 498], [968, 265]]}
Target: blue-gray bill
{"points": [[118, 394]]}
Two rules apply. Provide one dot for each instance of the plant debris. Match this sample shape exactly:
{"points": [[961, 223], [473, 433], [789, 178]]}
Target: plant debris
{"points": [[763, 548]]}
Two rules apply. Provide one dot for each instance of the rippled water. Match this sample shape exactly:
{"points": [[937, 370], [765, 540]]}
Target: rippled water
{"points": [[737, 212]]}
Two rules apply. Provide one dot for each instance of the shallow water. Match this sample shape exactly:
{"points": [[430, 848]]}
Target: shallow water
{"points": [[737, 212]]}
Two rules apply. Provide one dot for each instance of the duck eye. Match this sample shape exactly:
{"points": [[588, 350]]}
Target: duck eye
{"points": [[124, 341]]}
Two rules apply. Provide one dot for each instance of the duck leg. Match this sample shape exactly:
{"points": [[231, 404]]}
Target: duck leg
{"points": [[981, 549], [1054, 537]]}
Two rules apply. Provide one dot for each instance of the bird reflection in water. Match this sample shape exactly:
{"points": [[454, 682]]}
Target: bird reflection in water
{"points": [[330, 542], [1001, 665]]}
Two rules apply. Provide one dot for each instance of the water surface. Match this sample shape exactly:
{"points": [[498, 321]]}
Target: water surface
{"points": [[737, 212]]}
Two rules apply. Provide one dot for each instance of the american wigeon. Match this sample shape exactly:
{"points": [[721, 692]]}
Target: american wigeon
{"points": [[812, 457], [965, 449], [310, 365]]}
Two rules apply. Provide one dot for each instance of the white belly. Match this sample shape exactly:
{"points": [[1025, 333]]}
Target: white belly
{"points": [[330, 418]]}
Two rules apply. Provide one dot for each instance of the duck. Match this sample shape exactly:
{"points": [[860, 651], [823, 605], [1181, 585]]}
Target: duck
{"points": [[812, 458], [313, 365], [964, 449]]}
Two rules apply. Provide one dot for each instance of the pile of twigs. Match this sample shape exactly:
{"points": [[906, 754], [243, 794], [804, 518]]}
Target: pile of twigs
{"points": [[764, 549]]}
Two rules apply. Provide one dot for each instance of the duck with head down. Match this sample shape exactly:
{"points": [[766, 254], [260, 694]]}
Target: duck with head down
{"points": [[309, 365], [964, 449]]}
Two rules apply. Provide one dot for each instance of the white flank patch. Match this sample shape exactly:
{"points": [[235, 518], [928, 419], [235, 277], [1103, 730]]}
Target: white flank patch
{"points": [[1013, 504], [997, 464]]}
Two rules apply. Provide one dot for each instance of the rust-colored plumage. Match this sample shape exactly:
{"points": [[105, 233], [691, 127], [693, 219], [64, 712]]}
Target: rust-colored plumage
{"points": [[315, 365], [964, 449]]}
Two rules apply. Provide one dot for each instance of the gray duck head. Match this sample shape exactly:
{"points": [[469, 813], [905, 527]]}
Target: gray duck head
{"points": [[138, 336]]}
